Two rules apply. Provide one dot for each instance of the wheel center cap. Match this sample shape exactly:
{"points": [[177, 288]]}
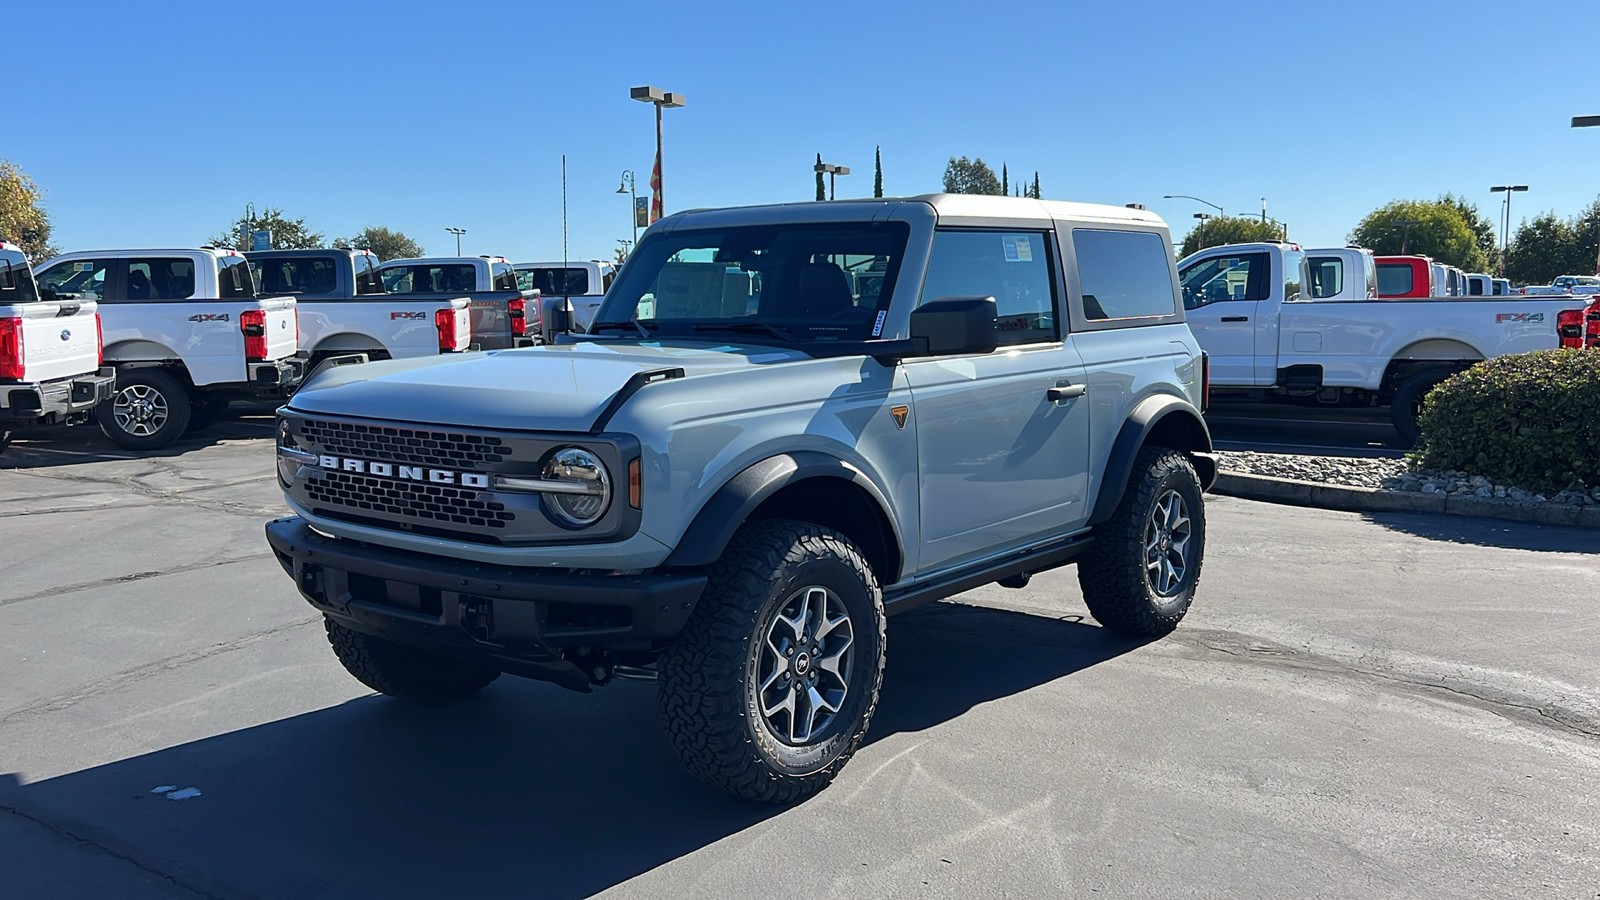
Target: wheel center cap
{"points": [[802, 662]]}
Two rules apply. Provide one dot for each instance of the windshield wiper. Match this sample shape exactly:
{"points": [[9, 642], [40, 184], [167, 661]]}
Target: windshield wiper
{"points": [[747, 328], [644, 328]]}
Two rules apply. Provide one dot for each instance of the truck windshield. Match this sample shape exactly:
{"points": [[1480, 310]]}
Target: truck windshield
{"points": [[421, 278], [801, 283], [16, 281], [556, 282]]}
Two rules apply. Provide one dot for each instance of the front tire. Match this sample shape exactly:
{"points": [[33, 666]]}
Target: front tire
{"points": [[404, 672], [149, 410], [771, 686], [1139, 576], [1406, 407]]}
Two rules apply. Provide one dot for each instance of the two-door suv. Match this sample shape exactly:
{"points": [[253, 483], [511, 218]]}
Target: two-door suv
{"points": [[784, 423]]}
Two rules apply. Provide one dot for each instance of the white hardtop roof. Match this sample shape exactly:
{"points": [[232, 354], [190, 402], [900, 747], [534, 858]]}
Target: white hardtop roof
{"points": [[156, 251], [976, 206], [556, 264], [442, 260]]}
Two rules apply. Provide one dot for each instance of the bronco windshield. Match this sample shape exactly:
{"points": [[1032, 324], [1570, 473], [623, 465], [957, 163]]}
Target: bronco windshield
{"points": [[788, 283]]}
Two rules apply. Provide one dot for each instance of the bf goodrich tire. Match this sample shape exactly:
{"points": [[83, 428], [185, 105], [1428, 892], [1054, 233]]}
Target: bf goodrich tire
{"points": [[403, 672], [149, 410], [1407, 403], [771, 686], [1139, 576]]}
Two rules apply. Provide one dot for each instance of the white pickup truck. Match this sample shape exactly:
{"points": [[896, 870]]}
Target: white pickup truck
{"points": [[186, 334], [503, 315], [582, 284], [1281, 323], [50, 366], [344, 309]]}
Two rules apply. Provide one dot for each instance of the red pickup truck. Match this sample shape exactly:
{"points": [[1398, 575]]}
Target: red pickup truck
{"points": [[1409, 277]]}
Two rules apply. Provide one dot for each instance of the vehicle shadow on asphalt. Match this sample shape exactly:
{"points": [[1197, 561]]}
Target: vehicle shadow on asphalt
{"points": [[43, 448], [1482, 532], [525, 790]]}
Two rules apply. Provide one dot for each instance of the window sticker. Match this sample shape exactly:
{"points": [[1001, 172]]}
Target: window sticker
{"points": [[1017, 249], [877, 326], [86, 267]]}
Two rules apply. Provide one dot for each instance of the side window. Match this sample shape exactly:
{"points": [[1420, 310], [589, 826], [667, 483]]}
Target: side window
{"points": [[1013, 267], [161, 278], [16, 281], [84, 277], [1124, 274], [1223, 278], [1325, 277], [504, 278], [367, 281], [606, 279]]}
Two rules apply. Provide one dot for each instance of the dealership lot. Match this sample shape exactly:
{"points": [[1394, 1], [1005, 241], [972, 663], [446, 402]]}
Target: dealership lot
{"points": [[1356, 706]]}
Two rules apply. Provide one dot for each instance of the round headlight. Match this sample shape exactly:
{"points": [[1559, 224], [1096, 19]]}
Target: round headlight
{"points": [[579, 487]]}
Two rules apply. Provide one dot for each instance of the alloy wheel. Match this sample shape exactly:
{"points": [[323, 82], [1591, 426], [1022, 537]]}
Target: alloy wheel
{"points": [[1167, 541], [803, 665], [140, 410]]}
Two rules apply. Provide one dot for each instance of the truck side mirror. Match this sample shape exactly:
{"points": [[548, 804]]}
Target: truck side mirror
{"points": [[955, 325], [555, 317]]}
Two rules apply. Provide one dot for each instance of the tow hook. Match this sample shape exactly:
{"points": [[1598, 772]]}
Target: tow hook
{"points": [[595, 665], [1017, 581]]}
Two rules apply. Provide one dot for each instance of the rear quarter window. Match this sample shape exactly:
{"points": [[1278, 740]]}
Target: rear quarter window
{"points": [[16, 280], [1124, 274], [234, 281]]}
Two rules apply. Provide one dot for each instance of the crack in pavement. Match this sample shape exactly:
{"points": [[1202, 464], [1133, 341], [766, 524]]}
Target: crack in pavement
{"points": [[1507, 704], [69, 835], [137, 674], [136, 576], [136, 485]]}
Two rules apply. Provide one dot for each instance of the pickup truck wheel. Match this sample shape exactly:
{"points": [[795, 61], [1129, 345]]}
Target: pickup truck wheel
{"points": [[1406, 406], [148, 411], [206, 413], [403, 672], [1139, 576], [771, 686]]}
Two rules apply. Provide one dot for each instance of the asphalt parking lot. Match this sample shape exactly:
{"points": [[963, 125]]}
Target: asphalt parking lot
{"points": [[1357, 706]]}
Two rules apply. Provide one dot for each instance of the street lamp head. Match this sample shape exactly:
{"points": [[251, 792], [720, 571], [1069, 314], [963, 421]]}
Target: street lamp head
{"points": [[1585, 121], [648, 94], [622, 188], [822, 167], [672, 100], [841, 170]]}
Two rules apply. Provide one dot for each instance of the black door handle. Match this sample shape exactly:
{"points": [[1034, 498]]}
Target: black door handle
{"points": [[1235, 318], [1066, 392]]}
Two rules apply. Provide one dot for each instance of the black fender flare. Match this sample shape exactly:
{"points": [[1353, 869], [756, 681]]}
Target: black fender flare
{"points": [[713, 527], [1192, 437]]}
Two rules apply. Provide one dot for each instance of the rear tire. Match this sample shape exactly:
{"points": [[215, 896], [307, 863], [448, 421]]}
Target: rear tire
{"points": [[771, 686], [404, 672], [1406, 406], [1140, 575], [149, 410]]}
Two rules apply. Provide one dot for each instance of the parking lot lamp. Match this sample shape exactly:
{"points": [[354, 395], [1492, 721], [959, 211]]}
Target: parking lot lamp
{"points": [[458, 232], [662, 100], [1195, 199], [1505, 221], [1589, 122], [832, 171], [627, 187]]}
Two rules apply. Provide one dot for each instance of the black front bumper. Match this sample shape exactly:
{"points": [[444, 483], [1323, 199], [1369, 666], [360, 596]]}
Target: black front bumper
{"points": [[502, 614], [56, 401]]}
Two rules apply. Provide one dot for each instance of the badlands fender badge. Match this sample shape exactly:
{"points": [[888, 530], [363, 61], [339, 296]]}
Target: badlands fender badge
{"points": [[900, 413]]}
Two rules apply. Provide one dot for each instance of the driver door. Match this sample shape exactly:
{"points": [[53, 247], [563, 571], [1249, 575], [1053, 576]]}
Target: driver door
{"points": [[1222, 295]]}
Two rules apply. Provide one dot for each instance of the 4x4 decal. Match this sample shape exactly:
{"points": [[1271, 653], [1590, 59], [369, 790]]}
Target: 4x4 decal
{"points": [[210, 317], [1518, 317]]}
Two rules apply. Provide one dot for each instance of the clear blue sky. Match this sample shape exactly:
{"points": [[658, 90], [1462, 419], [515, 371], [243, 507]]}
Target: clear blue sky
{"points": [[153, 124]]}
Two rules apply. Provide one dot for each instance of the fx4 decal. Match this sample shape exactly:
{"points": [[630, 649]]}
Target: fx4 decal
{"points": [[1519, 317], [210, 317], [407, 315]]}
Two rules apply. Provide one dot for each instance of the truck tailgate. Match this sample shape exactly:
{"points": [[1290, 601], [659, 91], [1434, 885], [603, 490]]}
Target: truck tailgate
{"points": [[283, 329], [59, 340]]}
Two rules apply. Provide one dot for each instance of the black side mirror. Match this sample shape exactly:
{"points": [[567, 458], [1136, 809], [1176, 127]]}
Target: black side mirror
{"points": [[555, 317], [955, 325]]}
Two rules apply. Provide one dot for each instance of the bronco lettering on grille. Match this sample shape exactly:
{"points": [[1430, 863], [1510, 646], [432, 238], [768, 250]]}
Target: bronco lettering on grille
{"points": [[403, 473]]}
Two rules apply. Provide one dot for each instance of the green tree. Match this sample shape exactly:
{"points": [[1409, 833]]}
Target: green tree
{"points": [[1036, 194], [1005, 180], [384, 242], [822, 190], [22, 215], [877, 171], [1482, 230], [970, 176], [1547, 246], [1228, 230], [287, 234], [1437, 228]]}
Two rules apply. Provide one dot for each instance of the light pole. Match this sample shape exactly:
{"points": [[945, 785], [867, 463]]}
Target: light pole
{"points": [[1201, 228], [1589, 122], [1405, 234], [1505, 220], [458, 232], [662, 100], [1195, 199], [831, 170], [627, 187]]}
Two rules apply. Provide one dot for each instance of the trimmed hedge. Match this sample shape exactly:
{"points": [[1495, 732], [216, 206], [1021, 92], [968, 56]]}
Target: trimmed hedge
{"points": [[1531, 420]]}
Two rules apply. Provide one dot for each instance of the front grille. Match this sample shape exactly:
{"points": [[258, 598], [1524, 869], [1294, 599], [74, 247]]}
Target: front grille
{"points": [[434, 503], [441, 449]]}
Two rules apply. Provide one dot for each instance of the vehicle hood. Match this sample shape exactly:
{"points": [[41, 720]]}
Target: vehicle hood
{"points": [[555, 388]]}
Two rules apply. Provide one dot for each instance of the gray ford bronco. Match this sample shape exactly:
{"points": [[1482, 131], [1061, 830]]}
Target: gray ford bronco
{"points": [[784, 423]]}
